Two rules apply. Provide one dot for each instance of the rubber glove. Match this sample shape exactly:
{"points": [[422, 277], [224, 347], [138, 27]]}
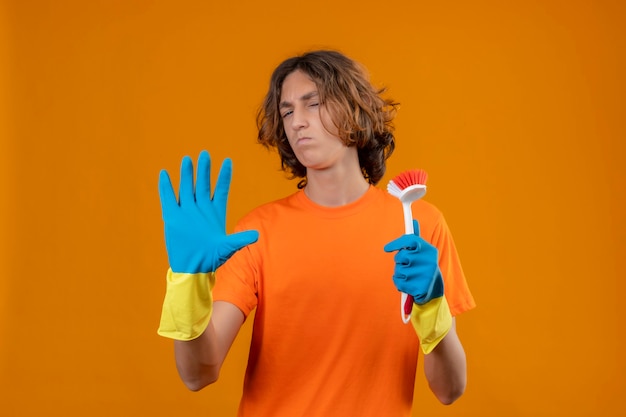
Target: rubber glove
{"points": [[197, 244], [417, 273]]}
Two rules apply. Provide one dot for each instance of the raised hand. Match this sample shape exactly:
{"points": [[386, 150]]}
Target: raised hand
{"points": [[195, 223]]}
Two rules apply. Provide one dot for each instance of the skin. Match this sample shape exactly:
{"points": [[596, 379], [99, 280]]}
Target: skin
{"points": [[334, 175], [334, 178]]}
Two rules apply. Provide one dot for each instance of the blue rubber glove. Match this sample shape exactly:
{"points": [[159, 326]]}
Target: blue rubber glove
{"points": [[195, 225], [417, 271]]}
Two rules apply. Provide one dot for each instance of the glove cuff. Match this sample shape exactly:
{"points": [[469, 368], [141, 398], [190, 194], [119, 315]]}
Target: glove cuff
{"points": [[431, 321], [187, 306]]}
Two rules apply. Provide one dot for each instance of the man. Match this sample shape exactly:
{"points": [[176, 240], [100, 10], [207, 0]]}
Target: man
{"points": [[327, 337]]}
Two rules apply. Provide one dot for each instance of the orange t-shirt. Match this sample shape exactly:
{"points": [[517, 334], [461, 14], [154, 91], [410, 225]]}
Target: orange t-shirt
{"points": [[328, 339]]}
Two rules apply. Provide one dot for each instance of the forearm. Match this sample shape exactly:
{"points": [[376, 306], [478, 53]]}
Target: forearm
{"points": [[199, 361], [446, 368]]}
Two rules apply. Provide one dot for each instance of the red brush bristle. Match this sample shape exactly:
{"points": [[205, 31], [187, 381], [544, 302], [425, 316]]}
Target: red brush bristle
{"points": [[411, 177]]}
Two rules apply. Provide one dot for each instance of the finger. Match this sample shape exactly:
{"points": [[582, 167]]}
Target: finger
{"points": [[242, 239], [402, 258], [401, 283], [403, 242], [400, 278], [166, 193], [222, 187], [203, 179], [186, 181], [236, 242], [420, 298]]}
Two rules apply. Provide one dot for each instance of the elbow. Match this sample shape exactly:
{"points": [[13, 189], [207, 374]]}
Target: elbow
{"points": [[450, 394], [450, 398], [197, 384]]}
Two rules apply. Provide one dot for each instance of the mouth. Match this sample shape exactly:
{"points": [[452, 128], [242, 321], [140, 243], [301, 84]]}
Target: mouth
{"points": [[303, 139]]}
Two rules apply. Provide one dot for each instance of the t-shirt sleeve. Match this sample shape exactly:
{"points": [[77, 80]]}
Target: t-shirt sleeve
{"points": [[457, 292], [236, 280]]}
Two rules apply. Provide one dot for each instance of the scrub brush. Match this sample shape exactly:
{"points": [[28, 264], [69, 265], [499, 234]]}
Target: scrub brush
{"points": [[408, 186]]}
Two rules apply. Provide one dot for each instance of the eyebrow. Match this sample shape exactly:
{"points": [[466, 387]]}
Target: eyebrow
{"points": [[305, 97]]}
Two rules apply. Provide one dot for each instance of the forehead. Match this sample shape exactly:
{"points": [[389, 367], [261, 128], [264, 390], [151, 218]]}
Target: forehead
{"points": [[297, 86]]}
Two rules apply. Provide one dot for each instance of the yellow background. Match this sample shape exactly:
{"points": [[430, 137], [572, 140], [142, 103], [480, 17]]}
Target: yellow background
{"points": [[516, 109]]}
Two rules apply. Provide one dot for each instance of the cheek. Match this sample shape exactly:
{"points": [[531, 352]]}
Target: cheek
{"points": [[327, 122], [288, 134], [291, 138]]}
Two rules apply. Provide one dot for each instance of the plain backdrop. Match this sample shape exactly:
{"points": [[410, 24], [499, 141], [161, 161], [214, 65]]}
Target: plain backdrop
{"points": [[516, 110]]}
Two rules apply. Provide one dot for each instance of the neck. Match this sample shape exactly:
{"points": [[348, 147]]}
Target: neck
{"points": [[335, 189]]}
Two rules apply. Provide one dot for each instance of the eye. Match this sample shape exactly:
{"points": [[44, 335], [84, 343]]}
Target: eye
{"points": [[314, 104], [287, 113]]}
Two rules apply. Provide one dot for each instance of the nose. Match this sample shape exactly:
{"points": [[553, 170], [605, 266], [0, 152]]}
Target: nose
{"points": [[298, 119]]}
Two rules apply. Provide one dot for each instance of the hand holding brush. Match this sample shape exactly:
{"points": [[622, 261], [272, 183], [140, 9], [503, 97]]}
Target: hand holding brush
{"points": [[408, 186], [417, 274]]}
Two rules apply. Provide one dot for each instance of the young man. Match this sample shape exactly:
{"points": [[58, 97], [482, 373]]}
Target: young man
{"points": [[319, 266]]}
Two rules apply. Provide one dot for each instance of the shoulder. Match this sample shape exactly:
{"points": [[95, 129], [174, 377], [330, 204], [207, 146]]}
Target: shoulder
{"points": [[427, 210], [431, 220]]}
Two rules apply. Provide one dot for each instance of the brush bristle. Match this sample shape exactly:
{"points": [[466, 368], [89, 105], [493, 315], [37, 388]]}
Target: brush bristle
{"points": [[411, 177]]}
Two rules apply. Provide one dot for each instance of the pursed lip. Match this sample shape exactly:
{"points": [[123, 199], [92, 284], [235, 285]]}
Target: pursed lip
{"points": [[303, 139]]}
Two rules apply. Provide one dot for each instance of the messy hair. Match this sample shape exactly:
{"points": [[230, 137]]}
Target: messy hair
{"points": [[362, 117]]}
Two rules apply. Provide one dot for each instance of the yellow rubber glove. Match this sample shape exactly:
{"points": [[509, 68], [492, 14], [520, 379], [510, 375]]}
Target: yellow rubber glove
{"points": [[187, 306], [431, 321]]}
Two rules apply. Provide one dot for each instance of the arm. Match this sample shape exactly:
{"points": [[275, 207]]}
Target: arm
{"points": [[199, 360], [417, 273], [445, 368], [197, 244]]}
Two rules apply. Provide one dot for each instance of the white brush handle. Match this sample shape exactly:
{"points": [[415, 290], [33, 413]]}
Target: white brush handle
{"points": [[408, 218], [409, 230]]}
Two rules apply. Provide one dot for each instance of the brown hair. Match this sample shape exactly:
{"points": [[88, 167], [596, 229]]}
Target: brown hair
{"points": [[362, 117]]}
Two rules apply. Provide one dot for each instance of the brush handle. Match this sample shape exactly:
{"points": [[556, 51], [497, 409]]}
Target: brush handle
{"points": [[406, 301], [408, 218], [406, 307]]}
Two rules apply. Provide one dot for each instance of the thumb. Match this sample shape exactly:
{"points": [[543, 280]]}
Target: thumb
{"points": [[403, 242], [241, 239]]}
